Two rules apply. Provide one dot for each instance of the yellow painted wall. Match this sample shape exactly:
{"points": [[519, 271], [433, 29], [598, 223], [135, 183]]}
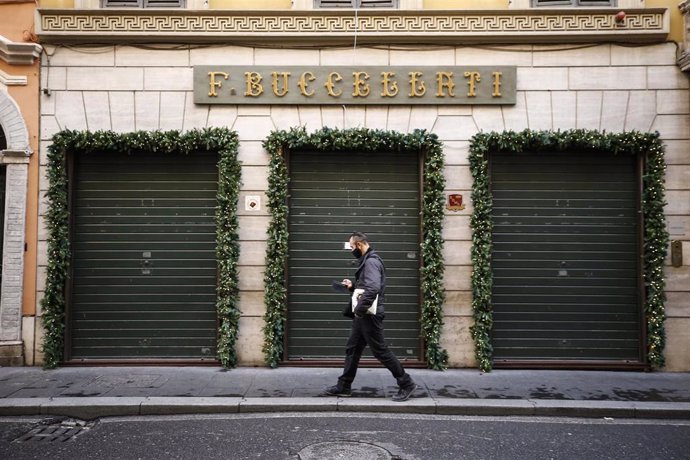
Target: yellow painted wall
{"points": [[465, 4], [56, 3], [16, 23], [676, 18]]}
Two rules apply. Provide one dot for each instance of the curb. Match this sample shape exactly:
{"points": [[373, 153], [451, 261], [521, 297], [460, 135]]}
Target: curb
{"points": [[89, 408]]}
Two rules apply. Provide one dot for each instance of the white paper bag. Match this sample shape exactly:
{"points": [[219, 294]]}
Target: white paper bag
{"points": [[355, 299]]}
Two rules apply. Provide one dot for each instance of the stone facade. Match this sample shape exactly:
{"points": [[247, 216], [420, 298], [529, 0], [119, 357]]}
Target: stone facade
{"points": [[603, 87]]}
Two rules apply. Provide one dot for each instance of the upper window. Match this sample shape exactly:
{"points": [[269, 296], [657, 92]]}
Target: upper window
{"points": [[355, 3], [573, 2], [143, 3]]}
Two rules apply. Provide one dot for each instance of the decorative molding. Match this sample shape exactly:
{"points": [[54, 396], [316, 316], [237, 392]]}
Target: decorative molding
{"points": [[684, 7], [14, 156], [12, 123], [641, 25], [684, 59], [18, 53], [13, 80]]}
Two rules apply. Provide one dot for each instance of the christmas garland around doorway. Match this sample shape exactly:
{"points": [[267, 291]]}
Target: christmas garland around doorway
{"points": [[329, 141], [220, 140], [656, 238]]}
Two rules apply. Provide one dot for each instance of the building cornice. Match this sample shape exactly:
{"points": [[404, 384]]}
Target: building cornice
{"points": [[565, 25], [18, 53]]}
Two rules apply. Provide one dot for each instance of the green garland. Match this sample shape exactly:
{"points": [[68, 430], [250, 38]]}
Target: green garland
{"points": [[655, 233], [366, 140], [219, 140]]}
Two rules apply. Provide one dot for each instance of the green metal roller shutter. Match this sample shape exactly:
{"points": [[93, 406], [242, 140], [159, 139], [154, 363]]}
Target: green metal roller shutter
{"points": [[144, 268], [565, 257], [3, 180], [332, 195]]}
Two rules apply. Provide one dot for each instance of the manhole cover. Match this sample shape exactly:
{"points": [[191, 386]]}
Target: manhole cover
{"points": [[56, 431], [344, 450]]}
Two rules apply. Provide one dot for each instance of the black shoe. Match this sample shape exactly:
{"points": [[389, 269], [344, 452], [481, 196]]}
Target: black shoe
{"points": [[338, 390], [404, 393]]}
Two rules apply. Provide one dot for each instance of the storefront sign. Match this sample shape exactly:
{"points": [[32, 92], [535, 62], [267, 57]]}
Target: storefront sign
{"points": [[300, 85]]}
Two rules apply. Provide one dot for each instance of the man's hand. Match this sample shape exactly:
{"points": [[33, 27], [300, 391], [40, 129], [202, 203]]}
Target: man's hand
{"points": [[347, 283]]}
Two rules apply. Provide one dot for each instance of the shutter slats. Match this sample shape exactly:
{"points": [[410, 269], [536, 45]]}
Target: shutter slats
{"points": [[3, 182], [144, 264], [564, 257], [355, 3], [583, 3], [122, 3], [143, 3], [163, 3], [332, 195]]}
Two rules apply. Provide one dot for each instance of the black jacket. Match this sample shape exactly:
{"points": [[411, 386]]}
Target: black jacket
{"points": [[370, 276]]}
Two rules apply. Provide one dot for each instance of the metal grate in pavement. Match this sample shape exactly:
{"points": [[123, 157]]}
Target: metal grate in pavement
{"points": [[345, 450], [52, 430]]}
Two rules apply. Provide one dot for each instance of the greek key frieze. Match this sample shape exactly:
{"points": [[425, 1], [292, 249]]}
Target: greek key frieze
{"points": [[150, 23]]}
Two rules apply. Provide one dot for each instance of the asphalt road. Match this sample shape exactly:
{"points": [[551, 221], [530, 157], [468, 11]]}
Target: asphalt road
{"points": [[344, 436]]}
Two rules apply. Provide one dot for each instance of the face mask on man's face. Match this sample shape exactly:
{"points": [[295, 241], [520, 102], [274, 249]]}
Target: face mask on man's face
{"points": [[356, 253]]}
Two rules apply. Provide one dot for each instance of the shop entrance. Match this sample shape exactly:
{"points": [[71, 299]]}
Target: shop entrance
{"points": [[330, 196], [3, 186], [566, 259], [143, 257]]}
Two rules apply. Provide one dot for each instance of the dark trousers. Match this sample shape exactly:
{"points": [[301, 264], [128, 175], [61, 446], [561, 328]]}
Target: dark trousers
{"points": [[368, 330]]}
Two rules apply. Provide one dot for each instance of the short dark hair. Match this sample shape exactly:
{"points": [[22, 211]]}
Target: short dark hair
{"points": [[359, 237]]}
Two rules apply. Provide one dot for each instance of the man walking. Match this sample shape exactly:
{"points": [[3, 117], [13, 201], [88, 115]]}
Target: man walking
{"points": [[367, 327]]}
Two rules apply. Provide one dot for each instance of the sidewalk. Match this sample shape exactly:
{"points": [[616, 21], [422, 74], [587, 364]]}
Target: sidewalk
{"points": [[91, 392]]}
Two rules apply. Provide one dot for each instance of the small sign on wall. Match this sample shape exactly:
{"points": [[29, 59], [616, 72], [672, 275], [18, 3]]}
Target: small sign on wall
{"points": [[252, 203], [455, 202]]}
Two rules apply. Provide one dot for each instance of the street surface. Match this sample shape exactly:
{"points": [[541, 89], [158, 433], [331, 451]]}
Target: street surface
{"points": [[346, 436]]}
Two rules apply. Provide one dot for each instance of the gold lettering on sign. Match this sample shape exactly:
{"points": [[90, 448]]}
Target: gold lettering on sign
{"points": [[213, 83], [254, 86], [304, 80], [333, 76], [444, 80], [497, 84], [417, 86], [390, 88], [475, 78], [387, 85], [360, 85], [284, 90]]}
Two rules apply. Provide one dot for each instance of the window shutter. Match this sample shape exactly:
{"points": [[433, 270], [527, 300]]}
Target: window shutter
{"points": [[142, 3], [163, 3], [547, 3], [378, 4], [596, 2], [355, 3], [333, 4], [121, 3]]}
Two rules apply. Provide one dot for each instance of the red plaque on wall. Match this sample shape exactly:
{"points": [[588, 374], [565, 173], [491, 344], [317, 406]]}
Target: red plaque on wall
{"points": [[455, 202]]}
